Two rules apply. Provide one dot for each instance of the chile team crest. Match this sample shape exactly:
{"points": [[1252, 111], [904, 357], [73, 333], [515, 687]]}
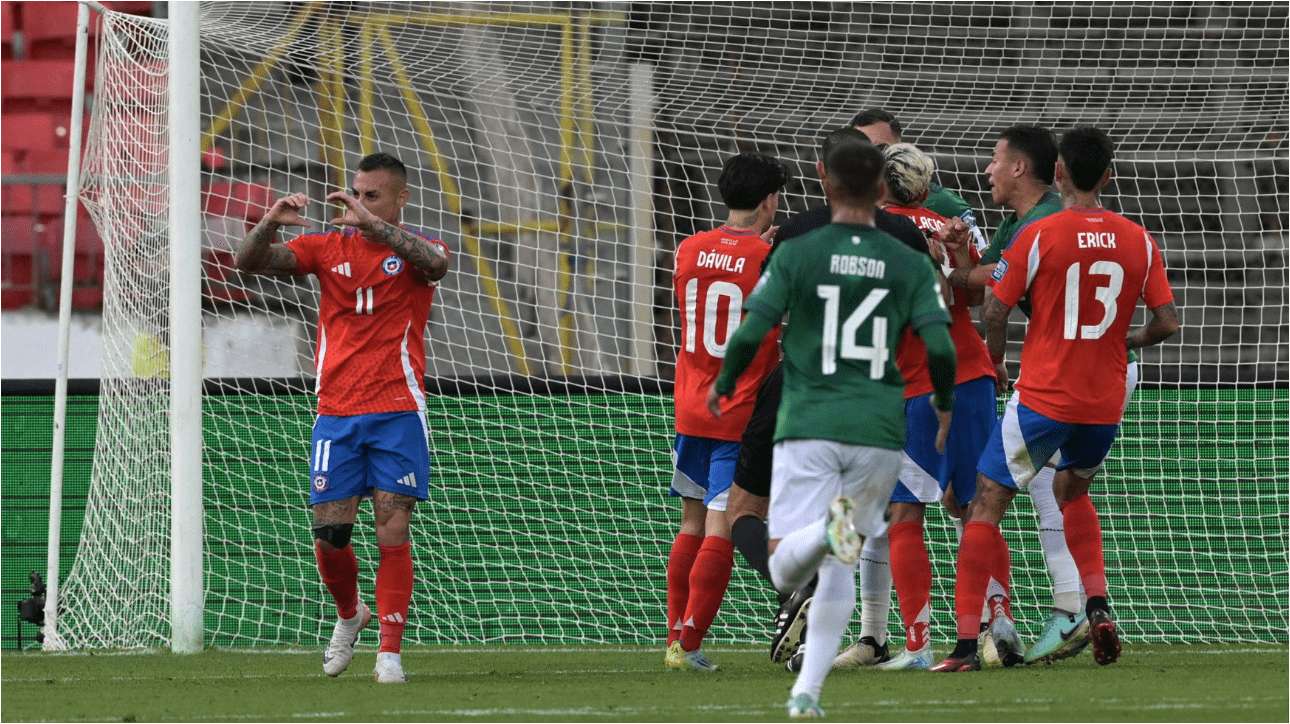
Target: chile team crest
{"points": [[319, 481], [392, 265]]}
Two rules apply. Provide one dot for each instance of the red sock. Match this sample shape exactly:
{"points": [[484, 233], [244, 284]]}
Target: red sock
{"points": [[339, 571], [393, 593], [977, 556], [679, 563], [911, 571], [709, 578], [1084, 539], [1002, 572]]}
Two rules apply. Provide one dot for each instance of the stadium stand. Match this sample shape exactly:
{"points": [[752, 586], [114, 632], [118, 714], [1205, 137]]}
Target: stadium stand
{"points": [[21, 262], [9, 22], [49, 32], [87, 265], [42, 86]]}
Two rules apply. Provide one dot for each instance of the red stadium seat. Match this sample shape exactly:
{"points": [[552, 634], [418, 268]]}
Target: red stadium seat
{"points": [[131, 7], [8, 18], [87, 265], [29, 131], [49, 30], [45, 86], [243, 200], [22, 262], [45, 162], [42, 200]]}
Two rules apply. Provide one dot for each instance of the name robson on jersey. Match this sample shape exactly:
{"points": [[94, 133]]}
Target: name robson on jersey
{"points": [[393, 264]]}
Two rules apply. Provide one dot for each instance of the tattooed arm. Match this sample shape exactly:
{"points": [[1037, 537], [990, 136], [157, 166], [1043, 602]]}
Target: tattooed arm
{"points": [[260, 252], [427, 258]]}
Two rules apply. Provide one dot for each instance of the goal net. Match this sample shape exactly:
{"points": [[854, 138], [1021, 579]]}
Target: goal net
{"points": [[562, 151]]}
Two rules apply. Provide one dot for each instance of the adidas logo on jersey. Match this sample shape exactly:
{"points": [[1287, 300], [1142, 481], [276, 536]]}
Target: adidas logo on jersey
{"points": [[342, 269], [409, 480]]}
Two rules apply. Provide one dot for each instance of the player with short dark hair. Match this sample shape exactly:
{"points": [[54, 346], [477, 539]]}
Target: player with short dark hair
{"points": [[715, 272], [1021, 172], [851, 291], [1085, 269], [885, 130], [377, 281]]}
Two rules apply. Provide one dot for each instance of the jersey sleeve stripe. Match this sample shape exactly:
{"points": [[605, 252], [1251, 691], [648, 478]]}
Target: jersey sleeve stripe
{"points": [[1032, 261]]}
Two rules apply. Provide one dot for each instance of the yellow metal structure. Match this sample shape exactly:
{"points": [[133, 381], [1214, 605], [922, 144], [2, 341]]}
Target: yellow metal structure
{"points": [[576, 130]]}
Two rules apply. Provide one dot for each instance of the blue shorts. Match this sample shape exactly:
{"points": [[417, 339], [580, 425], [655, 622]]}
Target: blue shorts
{"points": [[704, 469], [352, 456], [1024, 440], [925, 473]]}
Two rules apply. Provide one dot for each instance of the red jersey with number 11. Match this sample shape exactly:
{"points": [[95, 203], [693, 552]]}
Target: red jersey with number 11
{"points": [[1085, 270], [372, 314], [715, 272]]}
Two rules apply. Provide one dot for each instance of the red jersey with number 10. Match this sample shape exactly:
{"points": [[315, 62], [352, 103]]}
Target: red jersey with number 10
{"points": [[715, 272], [1085, 270], [372, 314], [973, 355]]}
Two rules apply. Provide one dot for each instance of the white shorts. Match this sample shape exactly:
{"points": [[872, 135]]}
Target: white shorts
{"points": [[808, 474]]}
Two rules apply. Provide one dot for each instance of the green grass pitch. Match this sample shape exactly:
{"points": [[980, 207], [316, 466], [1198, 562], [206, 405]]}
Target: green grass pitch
{"points": [[1209, 682]]}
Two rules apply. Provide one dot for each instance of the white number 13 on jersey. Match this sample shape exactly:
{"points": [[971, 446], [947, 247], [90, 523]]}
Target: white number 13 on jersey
{"points": [[877, 353], [1107, 295]]}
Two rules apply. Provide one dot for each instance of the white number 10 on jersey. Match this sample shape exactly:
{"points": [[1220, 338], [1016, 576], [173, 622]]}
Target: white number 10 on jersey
{"points": [[877, 353], [715, 314]]}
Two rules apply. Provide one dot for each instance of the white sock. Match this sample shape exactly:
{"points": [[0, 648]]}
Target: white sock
{"points": [[826, 622], [875, 588], [797, 556], [1052, 537], [958, 531]]}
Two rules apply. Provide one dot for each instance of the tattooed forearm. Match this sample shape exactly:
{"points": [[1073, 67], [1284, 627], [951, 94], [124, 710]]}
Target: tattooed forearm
{"points": [[427, 258], [996, 326], [258, 254]]}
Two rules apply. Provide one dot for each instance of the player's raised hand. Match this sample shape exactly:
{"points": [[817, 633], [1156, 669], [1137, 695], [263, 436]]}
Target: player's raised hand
{"points": [[943, 417], [287, 210], [768, 235], [355, 215]]}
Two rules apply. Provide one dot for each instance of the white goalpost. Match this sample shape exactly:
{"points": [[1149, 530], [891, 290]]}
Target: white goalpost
{"points": [[562, 151]]}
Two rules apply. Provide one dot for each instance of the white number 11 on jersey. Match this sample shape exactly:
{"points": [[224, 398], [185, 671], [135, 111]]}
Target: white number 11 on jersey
{"points": [[877, 353]]}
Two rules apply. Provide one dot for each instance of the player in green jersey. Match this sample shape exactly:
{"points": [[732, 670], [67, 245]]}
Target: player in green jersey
{"points": [[885, 130], [851, 291]]}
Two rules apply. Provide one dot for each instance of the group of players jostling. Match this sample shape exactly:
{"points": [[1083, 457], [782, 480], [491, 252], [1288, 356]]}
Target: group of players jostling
{"points": [[831, 383], [829, 386]]}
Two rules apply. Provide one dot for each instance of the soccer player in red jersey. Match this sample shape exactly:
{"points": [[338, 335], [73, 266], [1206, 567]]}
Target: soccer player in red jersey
{"points": [[377, 281], [715, 272], [1085, 269], [925, 474]]}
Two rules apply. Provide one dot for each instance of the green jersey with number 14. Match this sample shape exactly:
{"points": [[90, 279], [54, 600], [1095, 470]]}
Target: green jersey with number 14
{"points": [[850, 291]]}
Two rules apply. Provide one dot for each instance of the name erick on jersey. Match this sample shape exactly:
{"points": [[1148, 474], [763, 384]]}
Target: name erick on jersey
{"points": [[372, 315], [1085, 270], [715, 272], [973, 355]]}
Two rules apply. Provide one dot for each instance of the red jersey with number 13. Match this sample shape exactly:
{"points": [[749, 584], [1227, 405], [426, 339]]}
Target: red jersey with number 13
{"points": [[372, 314], [715, 272], [1085, 270]]}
